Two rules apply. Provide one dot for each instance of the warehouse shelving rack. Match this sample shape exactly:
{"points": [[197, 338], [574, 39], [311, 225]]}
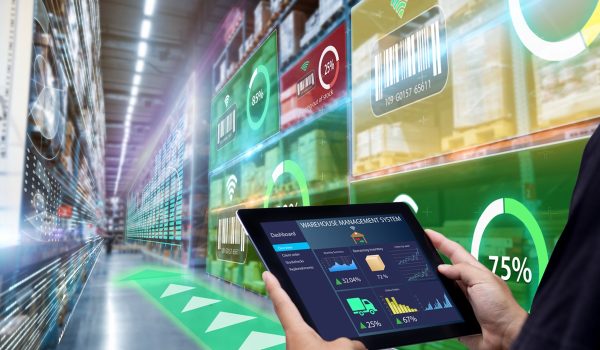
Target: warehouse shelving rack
{"points": [[42, 276]]}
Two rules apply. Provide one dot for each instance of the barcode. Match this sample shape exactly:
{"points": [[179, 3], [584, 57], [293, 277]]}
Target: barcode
{"points": [[416, 53], [226, 127], [304, 85], [230, 231]]}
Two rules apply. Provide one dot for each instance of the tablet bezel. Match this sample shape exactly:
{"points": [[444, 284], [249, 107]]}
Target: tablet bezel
{"points": [[252, 219]]}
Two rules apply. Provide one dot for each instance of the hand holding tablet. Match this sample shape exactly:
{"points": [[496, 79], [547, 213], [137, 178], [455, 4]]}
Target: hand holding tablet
{"points": [[365, 272]]}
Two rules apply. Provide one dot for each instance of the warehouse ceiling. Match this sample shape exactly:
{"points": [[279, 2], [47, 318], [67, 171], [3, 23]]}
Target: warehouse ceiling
{"points": [[178, 29]]}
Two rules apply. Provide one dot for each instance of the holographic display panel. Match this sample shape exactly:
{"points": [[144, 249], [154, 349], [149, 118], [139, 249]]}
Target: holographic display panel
{"points": [[154, 207], [308, 167], [245, 111]]}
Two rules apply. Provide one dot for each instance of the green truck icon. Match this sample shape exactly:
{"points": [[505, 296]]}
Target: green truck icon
{"points": [[361, 306]]}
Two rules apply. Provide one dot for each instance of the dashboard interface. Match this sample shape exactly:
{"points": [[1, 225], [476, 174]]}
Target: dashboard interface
{"points": [[362, 275]]}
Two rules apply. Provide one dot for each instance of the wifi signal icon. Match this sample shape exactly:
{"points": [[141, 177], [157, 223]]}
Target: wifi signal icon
{"points": [[399, 7], [231, 185], [227, 98], [304, 66]]}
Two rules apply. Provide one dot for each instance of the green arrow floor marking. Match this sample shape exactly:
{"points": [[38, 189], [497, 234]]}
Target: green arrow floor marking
{"points": [[212, 318], [259, 341], [197, 303], [226, 319], [173, 289]]}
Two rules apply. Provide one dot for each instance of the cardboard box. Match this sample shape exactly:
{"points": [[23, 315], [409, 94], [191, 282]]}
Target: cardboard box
{"points": [[318, 150], [482, 77], [262, 14], [363, 145], [216, 193], [250, 41], [311, 28], [291, 31], [400, 138], [222, 71], [566, 91], [272, 159], [375, 262], [276, 5], [329, 8]]}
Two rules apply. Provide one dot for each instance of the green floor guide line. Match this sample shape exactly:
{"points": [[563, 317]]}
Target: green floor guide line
{"points": [[211, 318]]}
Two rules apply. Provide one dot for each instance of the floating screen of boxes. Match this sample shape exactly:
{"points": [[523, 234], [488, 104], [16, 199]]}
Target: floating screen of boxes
{"points": [[154, 209], [245, 111], [449, 83], [305, 166], [308, 167], [449, 75]]}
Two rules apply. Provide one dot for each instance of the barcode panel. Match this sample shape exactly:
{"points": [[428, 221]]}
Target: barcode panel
{"points": [[230, 232], [438, 46], [226, 127], [305, 84], [412, 55]]}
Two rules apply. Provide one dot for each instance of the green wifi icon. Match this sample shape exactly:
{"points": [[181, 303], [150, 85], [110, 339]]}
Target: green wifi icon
{"points": [[338, 282], [362, 326], [398, 6], [304, 66], [398, 321]]}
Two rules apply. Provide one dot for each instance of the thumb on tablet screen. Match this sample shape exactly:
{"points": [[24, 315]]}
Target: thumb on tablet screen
{"points": [[299, 335], [284, 307]]}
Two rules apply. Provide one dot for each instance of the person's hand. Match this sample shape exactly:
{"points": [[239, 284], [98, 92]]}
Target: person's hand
{"points": [[500, 316], [298, 334]]}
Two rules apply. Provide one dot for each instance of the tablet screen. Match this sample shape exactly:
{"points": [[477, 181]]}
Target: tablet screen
{"points": [[362, 275]]}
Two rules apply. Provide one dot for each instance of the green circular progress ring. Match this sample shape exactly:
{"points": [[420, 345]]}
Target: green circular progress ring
{"points": [[292, 168], [256, 125], [518, 210]]}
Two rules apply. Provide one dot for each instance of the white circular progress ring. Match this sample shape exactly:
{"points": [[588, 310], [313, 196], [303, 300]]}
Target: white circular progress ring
{"points": [[554, 50], [255, 125], [333, 50]]}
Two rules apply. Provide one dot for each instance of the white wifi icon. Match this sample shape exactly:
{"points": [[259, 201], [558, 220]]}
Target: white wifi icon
{"points": [[231, 185], [227, 98]]}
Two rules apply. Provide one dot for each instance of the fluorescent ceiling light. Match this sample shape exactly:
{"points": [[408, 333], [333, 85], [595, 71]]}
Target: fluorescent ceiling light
{"points": [[146, 26], [139, 66], [128, 117], [132, 101], [127, 123], [129, 109], [149, 7], [134, 91], [142, 49], [137, 79]]}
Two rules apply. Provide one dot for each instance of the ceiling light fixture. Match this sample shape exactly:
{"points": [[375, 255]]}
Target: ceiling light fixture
{"points": [[129, 109], [139, 66], [142, 49], [137, 79], [132, 101], [149, 7], [134, 91], [146, 26]]}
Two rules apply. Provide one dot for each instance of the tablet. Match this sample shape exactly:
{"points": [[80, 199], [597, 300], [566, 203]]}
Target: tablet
{"points": [[366, 272]]}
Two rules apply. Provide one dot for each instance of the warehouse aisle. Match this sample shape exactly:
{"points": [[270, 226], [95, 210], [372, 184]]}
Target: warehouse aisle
{"points": [[134, 302], [110, 317]]}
